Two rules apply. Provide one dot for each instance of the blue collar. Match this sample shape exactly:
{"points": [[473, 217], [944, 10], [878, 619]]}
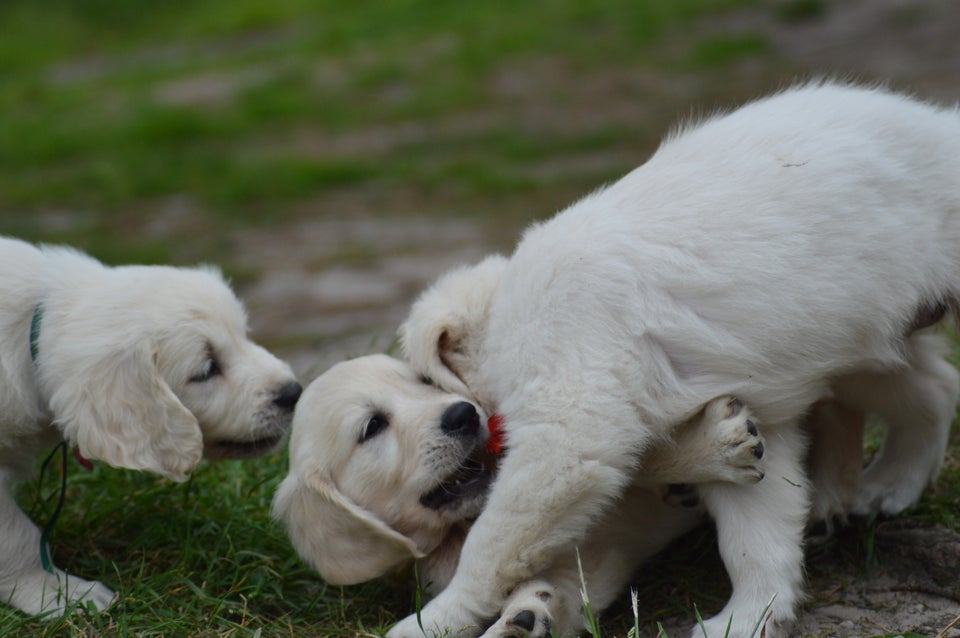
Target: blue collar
{"points": [[35, 331]]}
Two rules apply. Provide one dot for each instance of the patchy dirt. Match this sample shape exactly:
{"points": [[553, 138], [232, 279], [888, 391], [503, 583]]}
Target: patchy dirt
{"points": [[338, 286], [909, 585], [897, 578]]}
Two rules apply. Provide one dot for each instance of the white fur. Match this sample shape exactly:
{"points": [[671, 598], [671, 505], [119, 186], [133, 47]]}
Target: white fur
{"points": [[781, 253], [352, 507], [116, 375]]}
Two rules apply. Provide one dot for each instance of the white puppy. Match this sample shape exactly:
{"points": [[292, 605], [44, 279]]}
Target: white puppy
{"points": [[142, 367], [785, 253], [385, 468]]}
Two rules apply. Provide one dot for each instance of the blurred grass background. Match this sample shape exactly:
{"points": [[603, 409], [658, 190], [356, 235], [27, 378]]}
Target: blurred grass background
{"points": [[166, 132], [238, 111]]}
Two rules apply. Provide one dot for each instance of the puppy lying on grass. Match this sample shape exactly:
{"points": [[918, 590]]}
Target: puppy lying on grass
{"points": [[142, 367], [386, 468]]}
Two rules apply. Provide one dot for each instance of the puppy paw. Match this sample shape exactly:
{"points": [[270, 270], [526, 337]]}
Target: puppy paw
{"points": [[50, 595], [528, 613], [889, 498], [738, 443]]}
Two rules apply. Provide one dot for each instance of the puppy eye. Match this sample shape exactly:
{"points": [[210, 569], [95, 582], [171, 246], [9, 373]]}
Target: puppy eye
{"points": [[211, 368], [425, 380], [377, 424]]}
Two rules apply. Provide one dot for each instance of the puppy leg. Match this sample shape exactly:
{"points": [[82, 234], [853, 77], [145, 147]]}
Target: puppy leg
{"points": [[917, 405], [722, 443], [542, 502], [834, 463], [760, 535], [617, 545], [23, 581]]}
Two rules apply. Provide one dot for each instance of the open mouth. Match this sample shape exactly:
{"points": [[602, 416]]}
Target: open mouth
{"points": [[242, 449], [471, 479]]}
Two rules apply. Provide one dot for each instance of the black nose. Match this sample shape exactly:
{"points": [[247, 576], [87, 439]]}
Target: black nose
{"points": [[287, 396], [460, 419]]}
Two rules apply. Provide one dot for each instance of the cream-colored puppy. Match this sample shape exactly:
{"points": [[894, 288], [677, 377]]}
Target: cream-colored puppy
{"points": [[142, 367], [786, 253], [386, 468]]}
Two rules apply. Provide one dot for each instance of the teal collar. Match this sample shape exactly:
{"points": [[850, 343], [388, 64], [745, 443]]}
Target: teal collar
{"points": [[35, 331], [45, 561]]}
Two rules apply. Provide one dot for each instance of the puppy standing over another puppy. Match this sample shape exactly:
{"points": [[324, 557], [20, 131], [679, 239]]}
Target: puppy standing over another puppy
{"points": [[142, 367], [386, 468], [785, 253]]}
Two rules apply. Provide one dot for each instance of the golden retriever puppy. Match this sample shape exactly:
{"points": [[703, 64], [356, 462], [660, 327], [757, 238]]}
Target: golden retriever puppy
{"points": [[142, 367], [386, 468]]}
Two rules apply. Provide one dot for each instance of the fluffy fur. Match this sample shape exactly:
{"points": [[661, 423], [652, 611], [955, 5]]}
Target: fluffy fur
{"points": [[786, 253], [142, 367], [372, 444]]}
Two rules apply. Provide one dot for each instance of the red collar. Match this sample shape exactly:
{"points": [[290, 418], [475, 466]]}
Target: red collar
{"points": [[495, 426], [84, 462]]}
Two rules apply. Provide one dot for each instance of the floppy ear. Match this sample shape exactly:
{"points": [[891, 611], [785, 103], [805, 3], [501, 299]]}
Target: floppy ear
{"points": [[117, 408], [345, 543], [446, 324]]}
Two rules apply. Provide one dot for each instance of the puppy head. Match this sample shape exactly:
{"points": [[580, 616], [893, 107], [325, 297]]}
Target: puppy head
{"points": [[443, 332], [149, 367], [382, 464]]}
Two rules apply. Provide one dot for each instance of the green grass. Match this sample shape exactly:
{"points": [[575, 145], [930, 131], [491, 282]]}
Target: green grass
{"points": [[200, 559], [721, 51]]}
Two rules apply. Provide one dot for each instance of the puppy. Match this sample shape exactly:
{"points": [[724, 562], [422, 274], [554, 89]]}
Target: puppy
{"points": [[386, 468], [142, 367], [790, 252]]}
